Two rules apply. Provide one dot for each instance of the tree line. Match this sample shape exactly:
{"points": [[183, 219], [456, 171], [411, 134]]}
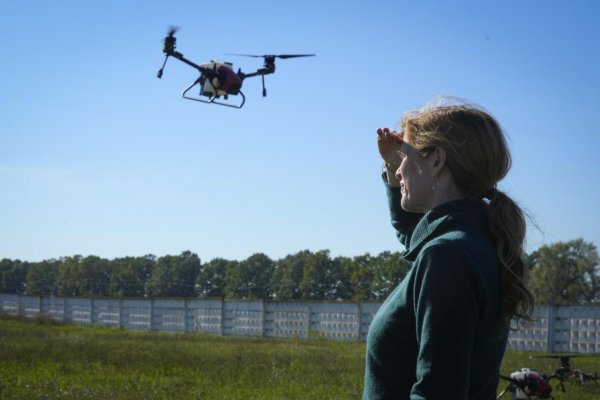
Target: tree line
{"points": [[563, 273]]}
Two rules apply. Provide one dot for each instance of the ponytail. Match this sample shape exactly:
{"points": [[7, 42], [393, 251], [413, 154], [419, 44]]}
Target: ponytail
{"points": [[507, 226]]}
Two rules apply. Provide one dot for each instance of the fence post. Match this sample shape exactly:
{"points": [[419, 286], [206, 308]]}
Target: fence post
{"points": [[120, 312], [308, 311], [186, 327], [358, 320], [93, 319], [66, 320], [222, 316], [550, 336], [151, 314], [263, 319], [18, 306]]}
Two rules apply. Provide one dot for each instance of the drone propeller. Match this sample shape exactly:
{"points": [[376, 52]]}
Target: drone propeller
{"points": [[272, 56], [558, 356], [284, 56], [172, 30], [168, 47]]}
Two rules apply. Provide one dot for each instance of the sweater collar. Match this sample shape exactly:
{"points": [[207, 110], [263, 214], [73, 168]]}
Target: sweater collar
{"points": [[436, 221]]}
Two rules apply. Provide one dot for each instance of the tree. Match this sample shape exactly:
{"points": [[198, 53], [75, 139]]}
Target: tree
{"points": [[565, 273], [78, 276], [250, 278], [130, 275], [94, 276], [211, 279], [67, 279], [258, 269], [362, 278], [235, 288], [41, 278], [287, 275], [317, 279], [174, 276], [13, 276], [339, 279], [388, 270]]}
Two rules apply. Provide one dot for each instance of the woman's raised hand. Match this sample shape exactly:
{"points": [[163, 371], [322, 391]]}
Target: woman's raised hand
{"points": [[388, 143]]}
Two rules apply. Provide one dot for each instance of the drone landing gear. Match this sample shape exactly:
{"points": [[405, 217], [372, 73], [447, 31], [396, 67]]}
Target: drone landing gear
{"points": [[212, 97]]}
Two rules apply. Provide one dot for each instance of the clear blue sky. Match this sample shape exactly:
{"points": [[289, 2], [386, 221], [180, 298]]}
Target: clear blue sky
{"points": [[99, 157]]}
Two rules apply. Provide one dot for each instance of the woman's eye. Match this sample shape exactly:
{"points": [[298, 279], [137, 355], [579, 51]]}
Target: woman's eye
{"points": [[401, 155]]}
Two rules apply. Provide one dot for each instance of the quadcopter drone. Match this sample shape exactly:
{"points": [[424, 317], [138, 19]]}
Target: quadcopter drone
{"points": [[566, 372], [217, 78]]}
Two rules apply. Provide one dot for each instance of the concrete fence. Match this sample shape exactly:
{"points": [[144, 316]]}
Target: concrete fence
{"points": [[344, 321], [574, 329], [562, 330]]}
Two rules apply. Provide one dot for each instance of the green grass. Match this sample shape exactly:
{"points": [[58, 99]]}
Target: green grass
{"points": [[49, 361], [44, 360]]}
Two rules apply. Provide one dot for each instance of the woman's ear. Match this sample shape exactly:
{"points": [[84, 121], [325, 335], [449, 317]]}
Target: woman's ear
{"points": [[439, 159]]}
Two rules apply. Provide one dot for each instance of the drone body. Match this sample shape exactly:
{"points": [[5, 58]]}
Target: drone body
{"points": [[220, 81], [217, 78], [225, 82]]}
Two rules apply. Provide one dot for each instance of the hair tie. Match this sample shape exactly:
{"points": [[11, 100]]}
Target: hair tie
{"points": [[490, 193]]}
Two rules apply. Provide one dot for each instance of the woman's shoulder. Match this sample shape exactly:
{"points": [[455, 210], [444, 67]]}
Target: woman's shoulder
{"points": [[443, 248], [454, 259], [456, 249]]}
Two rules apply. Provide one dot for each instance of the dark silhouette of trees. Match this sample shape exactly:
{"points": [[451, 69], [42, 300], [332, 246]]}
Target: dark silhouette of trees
{"points": [[13, 276], [211, 279], [68, 276], [42, 278], [388, 269], [130, 276], [288, 273], [563, 273], [174, 276], [318, 277], [249, 279]]}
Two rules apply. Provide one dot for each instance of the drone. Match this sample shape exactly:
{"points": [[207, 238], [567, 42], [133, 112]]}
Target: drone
{"points": [[566, 372], [217, 78]]}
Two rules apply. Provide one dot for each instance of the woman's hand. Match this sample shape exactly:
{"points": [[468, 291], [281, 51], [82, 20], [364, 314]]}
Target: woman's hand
{"points": [[388, 143]]}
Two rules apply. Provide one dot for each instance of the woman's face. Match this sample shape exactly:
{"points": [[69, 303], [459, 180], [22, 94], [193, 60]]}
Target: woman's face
{"points": [[416, 178]]}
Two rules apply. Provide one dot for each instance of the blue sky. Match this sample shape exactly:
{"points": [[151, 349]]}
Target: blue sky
{"points": [[99, 157]]}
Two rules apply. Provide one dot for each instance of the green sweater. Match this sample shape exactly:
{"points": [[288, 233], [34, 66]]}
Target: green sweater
{"points": [[438, 335]]}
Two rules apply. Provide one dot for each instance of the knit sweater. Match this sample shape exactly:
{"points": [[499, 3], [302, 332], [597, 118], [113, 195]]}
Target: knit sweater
{"points": [[438, 335]]}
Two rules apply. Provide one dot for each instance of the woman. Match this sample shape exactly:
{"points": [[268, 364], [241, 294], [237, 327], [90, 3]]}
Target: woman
{"points": [[442, 332]]}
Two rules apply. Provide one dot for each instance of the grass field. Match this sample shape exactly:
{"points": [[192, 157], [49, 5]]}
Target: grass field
{"points": [[44, 360]]}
